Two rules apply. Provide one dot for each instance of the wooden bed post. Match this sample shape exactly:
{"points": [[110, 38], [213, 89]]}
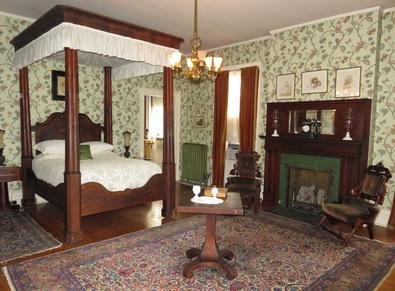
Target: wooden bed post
{"points": [[72, 175], [28, 200], [168, 143], [107, 105]]}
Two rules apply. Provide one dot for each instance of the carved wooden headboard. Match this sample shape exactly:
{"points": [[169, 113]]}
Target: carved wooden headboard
{"points": [[55, 128]]}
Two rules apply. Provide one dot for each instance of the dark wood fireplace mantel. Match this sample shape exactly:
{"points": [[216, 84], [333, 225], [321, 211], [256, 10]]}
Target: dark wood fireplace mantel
{"points": [[353, 154]]}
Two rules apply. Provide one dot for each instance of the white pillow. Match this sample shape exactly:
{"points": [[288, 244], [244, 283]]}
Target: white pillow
{"points": [[53, 146], [98, 146]]}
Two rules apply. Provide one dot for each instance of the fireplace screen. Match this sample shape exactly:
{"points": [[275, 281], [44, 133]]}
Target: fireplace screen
{"points": [[307, 188]]}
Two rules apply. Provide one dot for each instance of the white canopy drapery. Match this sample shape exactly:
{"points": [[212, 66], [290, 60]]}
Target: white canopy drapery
{"points": [[127, 56]]}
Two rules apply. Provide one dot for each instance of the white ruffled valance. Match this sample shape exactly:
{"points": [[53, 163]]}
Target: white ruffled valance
{"points": [[135, 69], [128, 57]]}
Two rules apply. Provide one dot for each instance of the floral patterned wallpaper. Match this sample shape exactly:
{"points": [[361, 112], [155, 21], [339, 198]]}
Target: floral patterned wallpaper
{"points": [[338, 43], [384, 129], [126, 109]]}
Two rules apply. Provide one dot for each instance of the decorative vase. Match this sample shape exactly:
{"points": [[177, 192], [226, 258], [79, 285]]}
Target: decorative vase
{"points": [[275, 123], [349, 123]]}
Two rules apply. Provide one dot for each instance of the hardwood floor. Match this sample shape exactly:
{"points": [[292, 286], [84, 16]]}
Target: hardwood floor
{"points": [[111, 224]]}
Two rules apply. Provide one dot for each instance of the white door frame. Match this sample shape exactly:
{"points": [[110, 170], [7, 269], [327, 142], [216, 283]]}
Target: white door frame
{"points": [[177, 116]]}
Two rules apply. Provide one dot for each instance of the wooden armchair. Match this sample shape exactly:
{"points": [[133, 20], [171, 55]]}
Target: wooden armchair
{"points": [[246, 179], [361, 207]]}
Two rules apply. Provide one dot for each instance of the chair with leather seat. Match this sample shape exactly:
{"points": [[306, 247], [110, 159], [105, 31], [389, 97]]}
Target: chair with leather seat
{"points": [[361, 207], [245, 179]]}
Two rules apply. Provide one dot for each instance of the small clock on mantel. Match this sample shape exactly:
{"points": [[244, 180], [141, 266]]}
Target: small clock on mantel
{"points": [[306, 128]]}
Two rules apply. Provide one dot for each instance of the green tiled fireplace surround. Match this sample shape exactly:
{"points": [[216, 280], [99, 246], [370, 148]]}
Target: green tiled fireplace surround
{"points": [[311, 162]]}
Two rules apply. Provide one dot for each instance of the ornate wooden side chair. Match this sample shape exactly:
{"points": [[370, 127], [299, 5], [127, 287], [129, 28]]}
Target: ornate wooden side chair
{"points": [[246, 179], [361, 207]]}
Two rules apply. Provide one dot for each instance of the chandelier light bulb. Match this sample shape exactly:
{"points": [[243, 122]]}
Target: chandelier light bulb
{"points": [[217, 63], [201, 55], [189, 63], [209, 62], [175, 60]]}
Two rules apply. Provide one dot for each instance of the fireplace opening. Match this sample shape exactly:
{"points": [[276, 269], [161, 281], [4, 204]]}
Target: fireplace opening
{"points": [[308, 188], [306, 181]]}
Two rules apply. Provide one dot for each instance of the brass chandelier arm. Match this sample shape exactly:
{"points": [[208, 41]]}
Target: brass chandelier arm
{"points": [[198, 66]]}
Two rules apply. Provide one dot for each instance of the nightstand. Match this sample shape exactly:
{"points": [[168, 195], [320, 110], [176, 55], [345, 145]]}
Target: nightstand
{"points": [[8, 174]]}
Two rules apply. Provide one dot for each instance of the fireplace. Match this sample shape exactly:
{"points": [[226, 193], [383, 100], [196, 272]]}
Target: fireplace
{"points": [[306, 181], [343, 160]]}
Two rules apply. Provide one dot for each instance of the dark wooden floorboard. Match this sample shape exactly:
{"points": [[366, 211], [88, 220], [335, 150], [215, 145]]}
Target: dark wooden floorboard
{"points": [[115, 223]]}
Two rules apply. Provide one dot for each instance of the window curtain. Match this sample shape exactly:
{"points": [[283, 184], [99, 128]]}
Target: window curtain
{"points": [[248, 107], [220, 118], [233, 127]]}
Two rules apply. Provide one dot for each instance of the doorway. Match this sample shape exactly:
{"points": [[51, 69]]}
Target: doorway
{"points": [[153, 129], [151, 126]]}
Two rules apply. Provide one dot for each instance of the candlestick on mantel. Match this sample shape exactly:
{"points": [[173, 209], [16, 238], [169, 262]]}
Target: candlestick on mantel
{"points": [[349, 124], [275, 123]]}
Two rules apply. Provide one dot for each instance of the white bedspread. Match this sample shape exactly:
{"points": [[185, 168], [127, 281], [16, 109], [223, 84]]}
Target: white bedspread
{"points": [[113, 172]]}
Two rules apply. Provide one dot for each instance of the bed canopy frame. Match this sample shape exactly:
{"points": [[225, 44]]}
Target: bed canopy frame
{"points": [[123, 50]]}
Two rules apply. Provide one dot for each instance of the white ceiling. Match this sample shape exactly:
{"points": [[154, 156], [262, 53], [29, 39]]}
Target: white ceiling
{"points": [[221, 22]]}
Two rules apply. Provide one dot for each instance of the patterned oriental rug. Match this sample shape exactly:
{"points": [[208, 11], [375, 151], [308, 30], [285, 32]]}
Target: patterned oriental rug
{"points": [[271, 253], [21, 236]]}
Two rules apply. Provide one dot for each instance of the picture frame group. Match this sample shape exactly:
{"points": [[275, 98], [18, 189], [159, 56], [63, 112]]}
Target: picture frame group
{"points": [[347, 83]]}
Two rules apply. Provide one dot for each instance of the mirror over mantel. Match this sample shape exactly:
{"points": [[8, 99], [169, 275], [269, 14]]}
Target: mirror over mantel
{"points": [[315, 122], [319, 119]]}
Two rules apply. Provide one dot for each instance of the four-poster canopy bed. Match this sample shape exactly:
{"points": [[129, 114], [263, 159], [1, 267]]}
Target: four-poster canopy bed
{"points": [[124, 50]]}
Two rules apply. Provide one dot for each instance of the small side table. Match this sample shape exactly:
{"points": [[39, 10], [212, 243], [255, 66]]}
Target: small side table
{"points": [[210, 255], [8, 174]]}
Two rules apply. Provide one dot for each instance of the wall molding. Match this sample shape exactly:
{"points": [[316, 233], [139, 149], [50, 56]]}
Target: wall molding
{"points": [[240, 43], [383, 217], [17, 16], [376, 8], [319, 20], [241, 66]]}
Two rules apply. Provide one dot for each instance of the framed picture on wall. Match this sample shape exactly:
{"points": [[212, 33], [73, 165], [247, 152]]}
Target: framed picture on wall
{"points": [[348, 82], [315, 82], [58, 85], [198, 121], [285, 86]]}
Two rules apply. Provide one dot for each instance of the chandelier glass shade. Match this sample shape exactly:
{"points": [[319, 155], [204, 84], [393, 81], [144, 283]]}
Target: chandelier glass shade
{"points": [[198, 66]]}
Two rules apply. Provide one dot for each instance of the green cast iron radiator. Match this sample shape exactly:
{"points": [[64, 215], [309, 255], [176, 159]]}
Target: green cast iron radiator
{"points": [[194, 163]]}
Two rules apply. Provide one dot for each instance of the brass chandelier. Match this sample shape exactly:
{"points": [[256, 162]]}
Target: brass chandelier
{"points": [[198, 67]]}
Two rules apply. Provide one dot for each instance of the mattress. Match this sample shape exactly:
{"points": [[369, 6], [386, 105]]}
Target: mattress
{"points": [[113, 172]]}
